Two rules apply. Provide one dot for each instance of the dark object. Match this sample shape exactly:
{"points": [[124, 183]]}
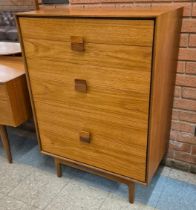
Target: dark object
{"points": [[80, 85], [5, 142], [77, 43], [58, 167], [55, 1], [8, 31], [85, 136], [195, 132]]}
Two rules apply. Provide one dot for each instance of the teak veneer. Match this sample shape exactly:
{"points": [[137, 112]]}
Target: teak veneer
{"points": [[102, 84], [14, 98]]}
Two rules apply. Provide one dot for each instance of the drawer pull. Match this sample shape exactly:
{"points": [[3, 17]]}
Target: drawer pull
{"points": [[85, 136], [77, 43], [81, 85]]}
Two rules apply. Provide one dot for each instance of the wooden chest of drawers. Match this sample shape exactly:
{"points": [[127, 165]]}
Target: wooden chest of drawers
{"points": [[102, 83]]}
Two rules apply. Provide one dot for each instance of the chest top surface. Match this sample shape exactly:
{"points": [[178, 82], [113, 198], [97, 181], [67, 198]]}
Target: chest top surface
{"points": [[99, 12]]}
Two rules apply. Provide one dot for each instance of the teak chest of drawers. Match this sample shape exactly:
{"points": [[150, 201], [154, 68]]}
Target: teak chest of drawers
{"points": [[102, 84]]}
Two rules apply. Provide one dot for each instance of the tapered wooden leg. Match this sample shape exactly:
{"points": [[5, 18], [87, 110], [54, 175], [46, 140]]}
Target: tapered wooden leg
{"points": [[58, 167], [5, 142], [131, 187], [36, 4]]}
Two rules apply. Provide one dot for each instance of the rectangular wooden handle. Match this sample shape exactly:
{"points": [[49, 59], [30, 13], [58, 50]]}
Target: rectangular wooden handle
{"points": [[77, 43], [81, 85], [85, 136]]}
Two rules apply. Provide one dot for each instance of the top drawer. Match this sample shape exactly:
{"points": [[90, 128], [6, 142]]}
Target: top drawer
{"points": [[123, 32]]}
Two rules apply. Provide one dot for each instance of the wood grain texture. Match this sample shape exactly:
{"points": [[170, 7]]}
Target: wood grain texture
{"points": [[5, 142], [85, 136], [10, 68], [121, 107], [166, 47], [6, 116], [81, 85], [131, 188], [107, 104], [117, 69], [58, 167], [113, 57], [94, 170], [98, 12], [36, 4], [99, 31], [19, 100], [14, 97], [77, 43]]}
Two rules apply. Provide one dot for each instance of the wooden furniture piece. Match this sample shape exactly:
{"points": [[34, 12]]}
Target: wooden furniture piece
{"points": [[9, 48], [37, 4], [14, 98], [102, 84]]}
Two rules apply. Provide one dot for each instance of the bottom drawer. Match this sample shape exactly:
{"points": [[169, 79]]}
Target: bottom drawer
{"points": [[104, 144]]}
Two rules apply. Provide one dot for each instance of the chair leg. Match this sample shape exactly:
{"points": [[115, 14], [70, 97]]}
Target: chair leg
{"points": [[131, 187], [5, 142], [58, 167]]}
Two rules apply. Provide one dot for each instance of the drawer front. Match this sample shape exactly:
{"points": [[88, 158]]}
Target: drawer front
{"points": [[92, 106], [6, 117], [124, 32]]}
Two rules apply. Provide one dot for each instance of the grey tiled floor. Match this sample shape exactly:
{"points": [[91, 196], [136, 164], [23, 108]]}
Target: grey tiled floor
{"points": [[30, 183]]}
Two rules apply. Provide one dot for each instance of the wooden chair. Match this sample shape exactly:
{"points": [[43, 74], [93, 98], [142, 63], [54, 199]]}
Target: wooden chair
{"points": [[14, 98]]}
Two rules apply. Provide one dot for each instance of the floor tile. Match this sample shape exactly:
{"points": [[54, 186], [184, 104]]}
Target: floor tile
{"points": [[183, 176], [114, 202], [8, 203], [144, 196], [46, 163], [149, 195], [177, 195], [72, 173], [21, 144], [39, 188], [164, 171], [100, 182], [78, 195], [11, 175], [37, 160], [30, 183]]}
